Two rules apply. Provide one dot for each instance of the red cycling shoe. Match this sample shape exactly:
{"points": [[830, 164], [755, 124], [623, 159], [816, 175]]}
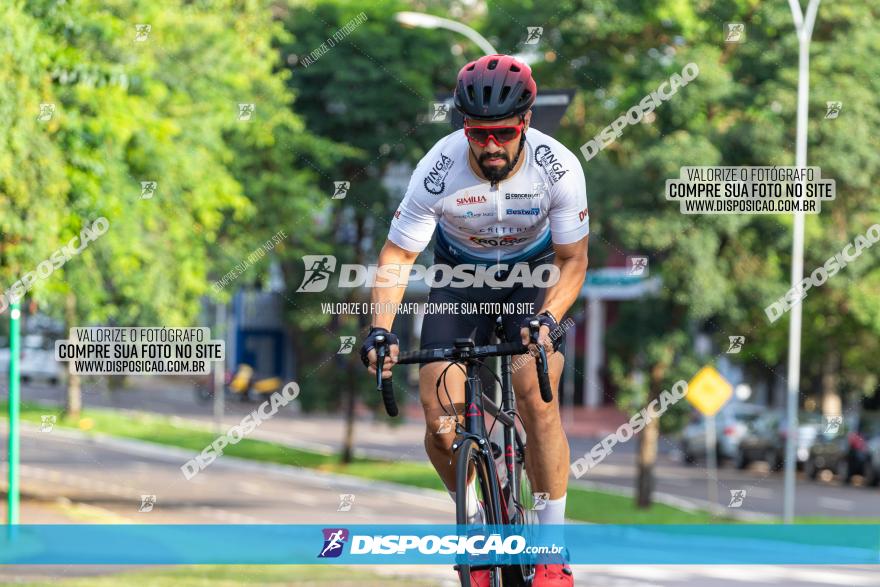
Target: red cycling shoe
{"points": [[480, 578], [558, 575]]}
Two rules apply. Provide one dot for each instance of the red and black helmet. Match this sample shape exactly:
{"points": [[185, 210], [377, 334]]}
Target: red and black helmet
{"points": [[495, 87]]}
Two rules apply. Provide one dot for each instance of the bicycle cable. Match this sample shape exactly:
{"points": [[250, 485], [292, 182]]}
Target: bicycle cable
{"points": [[442, 378]]}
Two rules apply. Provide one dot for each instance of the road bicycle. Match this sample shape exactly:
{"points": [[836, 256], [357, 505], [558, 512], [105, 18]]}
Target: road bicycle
{"points": [[507, 500]]}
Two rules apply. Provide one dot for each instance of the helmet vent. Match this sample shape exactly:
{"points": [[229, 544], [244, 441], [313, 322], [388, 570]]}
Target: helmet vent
{"points": [[526, 96], [505, 91], [470, 92], [492, 64], [472, 66], [514, 69], [487, 93]]}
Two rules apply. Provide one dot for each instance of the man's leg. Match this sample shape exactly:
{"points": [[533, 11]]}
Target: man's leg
{"points": [[439, 430], [547, 456]]}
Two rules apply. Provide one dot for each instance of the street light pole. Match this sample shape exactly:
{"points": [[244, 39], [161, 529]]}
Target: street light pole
{"points": [[429, 21], [12, 497], [804, 27]]}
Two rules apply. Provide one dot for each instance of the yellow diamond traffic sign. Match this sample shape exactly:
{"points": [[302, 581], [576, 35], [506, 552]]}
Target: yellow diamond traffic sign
{"points": [[708, 391]]}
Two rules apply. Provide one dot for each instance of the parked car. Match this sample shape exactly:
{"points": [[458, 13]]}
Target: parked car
{"points": [[38, 359], [761, 441], [4, 354], [809, 427], [844, 450], [872, 466], [730, 425], [765, 439]]}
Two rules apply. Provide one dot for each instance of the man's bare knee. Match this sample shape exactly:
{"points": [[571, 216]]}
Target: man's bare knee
{"points": [[533, 408]]}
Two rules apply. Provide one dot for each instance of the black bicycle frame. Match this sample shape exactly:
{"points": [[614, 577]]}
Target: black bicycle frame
{"points": [[465, 351]]}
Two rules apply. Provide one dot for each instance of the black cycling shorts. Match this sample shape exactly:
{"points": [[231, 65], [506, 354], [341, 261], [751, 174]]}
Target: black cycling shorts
{"points": [[441, 329]]}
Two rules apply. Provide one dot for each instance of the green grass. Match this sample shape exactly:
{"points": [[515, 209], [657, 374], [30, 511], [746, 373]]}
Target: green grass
{"points": [[232, 576], [607, 508], [583, 505]]}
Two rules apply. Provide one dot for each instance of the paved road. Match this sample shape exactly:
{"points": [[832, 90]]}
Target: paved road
{"points": [[676, 483], [110, 476]]}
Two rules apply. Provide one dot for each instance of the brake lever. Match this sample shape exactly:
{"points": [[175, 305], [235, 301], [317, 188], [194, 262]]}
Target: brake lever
{"points": [[534, 334], [380, 359]]}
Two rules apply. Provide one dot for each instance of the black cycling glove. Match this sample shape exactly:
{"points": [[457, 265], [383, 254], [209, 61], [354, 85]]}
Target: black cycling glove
{"points": [[545, 319], [370, 342]]}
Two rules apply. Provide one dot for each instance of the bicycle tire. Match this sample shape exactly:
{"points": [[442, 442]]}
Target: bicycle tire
{"points": [[521, 575], [467, 454]]}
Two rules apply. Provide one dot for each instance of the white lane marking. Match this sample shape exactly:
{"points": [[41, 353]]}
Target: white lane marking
{"points": [[759, 492], [678, 482], [761, 575], [440, 503], [250, 488], [303, 497], [781, 575], [834, 503]]}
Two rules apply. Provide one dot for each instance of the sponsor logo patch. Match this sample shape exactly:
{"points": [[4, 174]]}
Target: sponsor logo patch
{"points": [[470, 200], [504, 241], [546, 159], [435, 181]]}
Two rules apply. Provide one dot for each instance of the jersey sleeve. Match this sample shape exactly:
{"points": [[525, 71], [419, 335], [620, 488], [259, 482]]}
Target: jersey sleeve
{"points": [[416, 217], [568, 213]]}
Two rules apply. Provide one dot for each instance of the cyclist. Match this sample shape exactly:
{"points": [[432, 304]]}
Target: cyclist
{"points": [[498, 192]]}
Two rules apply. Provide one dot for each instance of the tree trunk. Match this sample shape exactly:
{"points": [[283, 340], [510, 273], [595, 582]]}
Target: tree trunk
{"points": [[350, 402], [353, 368], [831, 403], [648, 439], [73, 408]]}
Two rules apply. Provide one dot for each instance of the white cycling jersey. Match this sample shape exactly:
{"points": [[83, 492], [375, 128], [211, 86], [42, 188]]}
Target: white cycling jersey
{"points": [[478, 222]]}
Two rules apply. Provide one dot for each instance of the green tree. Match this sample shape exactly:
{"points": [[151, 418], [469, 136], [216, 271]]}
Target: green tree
{"points": [[162, 109], [32, 183], [718, 272], [372, 90]]}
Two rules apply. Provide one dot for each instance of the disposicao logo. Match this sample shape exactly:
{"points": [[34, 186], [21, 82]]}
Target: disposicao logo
{"points": [[334, 541]]}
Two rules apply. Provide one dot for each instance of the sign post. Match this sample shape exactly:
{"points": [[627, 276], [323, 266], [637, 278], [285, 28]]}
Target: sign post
{"points": [[14, 414], [708, 391], [219, 369]]}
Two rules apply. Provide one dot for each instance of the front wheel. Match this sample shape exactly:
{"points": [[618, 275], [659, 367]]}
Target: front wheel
{"points": [[810, 469], [844, 471], [872, 479], [523, 519], [472, 457]]}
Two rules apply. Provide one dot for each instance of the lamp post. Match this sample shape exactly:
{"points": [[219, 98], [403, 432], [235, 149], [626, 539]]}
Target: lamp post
{"points": [[429, 21], [12, 497], [803, 24]]}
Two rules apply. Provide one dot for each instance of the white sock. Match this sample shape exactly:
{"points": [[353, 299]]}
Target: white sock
{"points": [[553, 512], [475, 513]]}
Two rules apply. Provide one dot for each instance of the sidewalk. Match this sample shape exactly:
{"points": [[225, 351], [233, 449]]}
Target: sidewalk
{"points": [[579, 422], [376, 436]]}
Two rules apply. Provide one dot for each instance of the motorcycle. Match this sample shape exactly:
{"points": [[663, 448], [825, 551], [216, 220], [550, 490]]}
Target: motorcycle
{"points": [[241, 385]]}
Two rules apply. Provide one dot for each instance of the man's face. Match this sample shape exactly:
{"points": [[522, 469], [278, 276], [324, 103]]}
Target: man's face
{"points": [[494, 160]]}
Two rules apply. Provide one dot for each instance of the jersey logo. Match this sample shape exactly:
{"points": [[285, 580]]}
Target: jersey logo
{"points": [[582, 214], [524, 211], [470, 200], [435, 181], [552, 166], [504, 241]]}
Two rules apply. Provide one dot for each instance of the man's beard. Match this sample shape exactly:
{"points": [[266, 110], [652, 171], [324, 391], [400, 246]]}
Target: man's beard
{"points": [[496, 174]]}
